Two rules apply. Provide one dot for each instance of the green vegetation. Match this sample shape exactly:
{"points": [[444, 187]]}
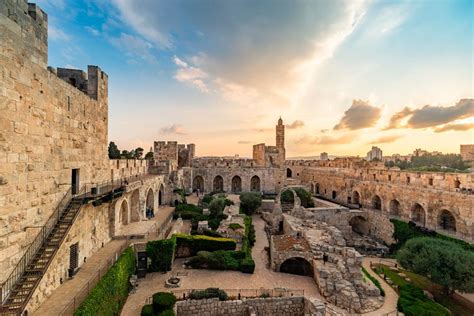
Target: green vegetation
{"points": [[404, 231], [210, 292], [374, 281], [235, 226], [413, 302], [163, 301], [305, 197], [217, 260], [206, 199], [187, 211], [200, 242], [436, 163], [181, 194], [250, 202], [137, 153], [161, 253], [147, 310], [110, 293], [444, 262], [247, 265]]}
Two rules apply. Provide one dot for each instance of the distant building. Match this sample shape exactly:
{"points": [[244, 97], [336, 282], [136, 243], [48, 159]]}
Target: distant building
{"points": [[467, 152], [374, 153], [324, 156]]}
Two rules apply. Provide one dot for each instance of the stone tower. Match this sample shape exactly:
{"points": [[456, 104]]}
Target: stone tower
{"points": [[280, 134]]}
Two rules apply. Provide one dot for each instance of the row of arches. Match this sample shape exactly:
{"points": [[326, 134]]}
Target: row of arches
{"points": [[130, 211], [218, 184]]}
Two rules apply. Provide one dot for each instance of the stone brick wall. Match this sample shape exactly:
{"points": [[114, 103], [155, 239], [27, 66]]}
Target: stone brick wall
{"points": [[283, 306], [47, 128]]}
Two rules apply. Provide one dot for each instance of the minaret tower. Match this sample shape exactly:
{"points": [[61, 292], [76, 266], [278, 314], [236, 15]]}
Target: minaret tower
{"points": [[280, 134]]}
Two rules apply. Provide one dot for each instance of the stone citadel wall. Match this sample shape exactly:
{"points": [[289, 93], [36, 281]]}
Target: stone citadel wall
{"points": [[47, 128]]}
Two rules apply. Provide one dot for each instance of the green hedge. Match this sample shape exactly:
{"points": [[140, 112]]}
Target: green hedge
{"points": [[374, 280], [247, 265], [187, 211], [403, 231], [167, 312], [161, 253], [200, 242], [147, 310], [163, 301], [110, 293], [413, 302], [217, 260], [210, 292]]}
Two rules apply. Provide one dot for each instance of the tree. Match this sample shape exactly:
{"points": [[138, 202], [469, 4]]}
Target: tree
{"points": [[138, 153], [216, 207], [149, 155], [114, 152], [250, 202], [444, 262]]}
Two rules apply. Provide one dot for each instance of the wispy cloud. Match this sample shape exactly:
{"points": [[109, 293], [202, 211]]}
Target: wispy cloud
{"points": [[296, 124], [134, 46], [173, 129], [57, 34], [190, 74], [92, 30], [385, 139], [245, 142], [326, 140], [455, 127]]}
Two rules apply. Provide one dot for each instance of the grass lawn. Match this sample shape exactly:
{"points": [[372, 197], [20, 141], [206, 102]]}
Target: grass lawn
{"points": [[426, 284]]}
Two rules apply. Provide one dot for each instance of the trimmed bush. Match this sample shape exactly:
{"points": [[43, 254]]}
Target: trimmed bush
{"points": [[147, 310], [207, 199], [163, 301], [235, 226], [209, 293], [161, 253], [200, 242], [168, 312], [110, 294], [374, 281], [250, 202], [413, 302], [247, 265], [217, 260]]}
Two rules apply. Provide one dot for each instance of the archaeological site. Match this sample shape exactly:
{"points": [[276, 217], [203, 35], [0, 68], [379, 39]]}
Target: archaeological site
{"points": [[182, 234]]}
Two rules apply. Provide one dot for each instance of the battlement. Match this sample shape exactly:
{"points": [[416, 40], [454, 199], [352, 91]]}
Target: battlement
{"points": [[223, 162], [31, 24]]}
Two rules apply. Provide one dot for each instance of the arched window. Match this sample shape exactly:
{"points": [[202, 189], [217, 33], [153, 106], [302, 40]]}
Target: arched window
{"points": [[198, 184], [356, 198], [218, 184], [447, 221], [236, 184], [289, 173], [395, 208], [255, 184], [418, 214], [377, 203]]}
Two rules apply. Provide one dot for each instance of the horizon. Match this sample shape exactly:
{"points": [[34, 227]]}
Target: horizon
{"points": [[344, 76]]}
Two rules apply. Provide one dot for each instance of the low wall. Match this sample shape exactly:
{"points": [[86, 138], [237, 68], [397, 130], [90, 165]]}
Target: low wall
{"points": [[283, 306]]}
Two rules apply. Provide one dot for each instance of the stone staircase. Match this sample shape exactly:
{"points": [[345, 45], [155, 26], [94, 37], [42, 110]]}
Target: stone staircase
{"points": [[36, 268]]}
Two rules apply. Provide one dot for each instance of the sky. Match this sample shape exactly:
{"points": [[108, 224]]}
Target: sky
{"points": [[343, 75]]}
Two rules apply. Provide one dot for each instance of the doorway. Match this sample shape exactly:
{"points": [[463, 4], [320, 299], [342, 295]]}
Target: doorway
{"points": [[73, 258], [75, 181]]}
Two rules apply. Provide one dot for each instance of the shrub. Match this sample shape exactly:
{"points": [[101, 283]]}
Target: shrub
{"points": [[200, 242], [228, 202], [374, 281], [161, 253], [210, 233], [188, 208], [235, 226], [413, 302], [147, 310], [167, 312], [216, 207], [217, 260], [209, 293], [110, 293], [163, 301], [306, 199], [207, 199], [247, 265], [250, 202]]}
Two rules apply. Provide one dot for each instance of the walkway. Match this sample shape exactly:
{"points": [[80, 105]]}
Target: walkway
{"points": [[199, 279], [146, 226], [64, 294], [391, 297]]}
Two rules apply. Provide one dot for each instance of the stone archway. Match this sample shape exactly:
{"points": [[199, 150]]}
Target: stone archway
{"points": [[161, 192], [356, 198], [360, 225], [395, 208], [447, 221], [297, 265], [135, 209], [198, 184], [317, 188], [123, 219], [218, 184], [376, 203], [289, 173], [312, 188], [150, 200], [255, 184], [236, 184], [418, 214]]}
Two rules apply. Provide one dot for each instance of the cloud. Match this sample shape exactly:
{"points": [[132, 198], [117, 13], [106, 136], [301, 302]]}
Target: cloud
{"points": [[134, 46], [179, 62], [326, 140], [56, 34], [454, 127], [296, 124], [432, 116], [190, 74], [92, 30], [245, 142], [385, 139], [360, 115], [173, 129], [266, 51]]}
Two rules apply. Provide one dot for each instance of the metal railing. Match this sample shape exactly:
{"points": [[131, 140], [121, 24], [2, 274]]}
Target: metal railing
{"points": [[236, 294], [33, 248], [77, 300]]}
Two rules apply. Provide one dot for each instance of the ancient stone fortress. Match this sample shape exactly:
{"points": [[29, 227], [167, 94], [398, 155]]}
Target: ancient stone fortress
{"points": [[62, 199]]}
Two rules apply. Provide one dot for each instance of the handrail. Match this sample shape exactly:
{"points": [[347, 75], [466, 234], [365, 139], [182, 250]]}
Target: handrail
{"points": [[33, 248]]}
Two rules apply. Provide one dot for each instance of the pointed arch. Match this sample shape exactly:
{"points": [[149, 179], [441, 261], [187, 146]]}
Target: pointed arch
{"points": [[236, 184], [447, 221], [255, 184], [218, 184], [418, 214], [198, 184]]}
